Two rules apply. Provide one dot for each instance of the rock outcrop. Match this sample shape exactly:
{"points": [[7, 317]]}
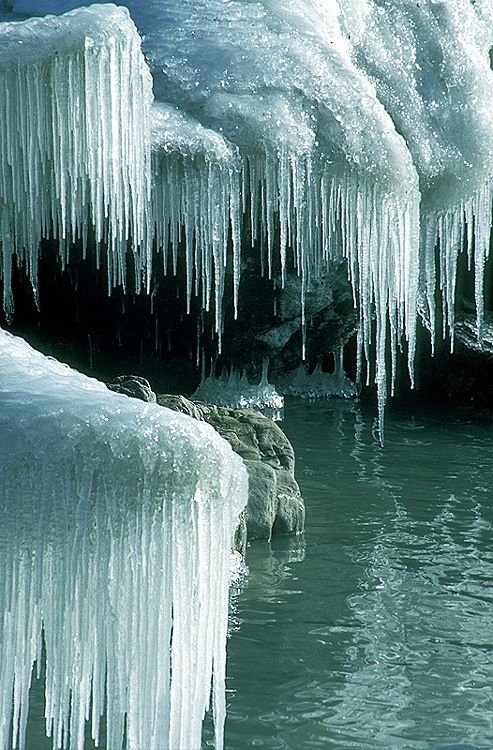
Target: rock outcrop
{"points": [[133, 385], [275, 505], [269, 320]]}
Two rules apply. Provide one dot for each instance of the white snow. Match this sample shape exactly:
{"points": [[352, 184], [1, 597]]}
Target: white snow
{"points": [[116, 519]]}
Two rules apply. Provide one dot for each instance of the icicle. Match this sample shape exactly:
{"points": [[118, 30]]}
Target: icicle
{"points": [[75, 93], [236, 392], [115, 541], [314, 142], [6, 273], [318, 384], [448, 228], [482, 208], [196, 185]]}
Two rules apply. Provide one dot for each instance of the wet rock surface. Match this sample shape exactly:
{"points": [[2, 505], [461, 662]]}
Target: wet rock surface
{"points": [[133, 385], [269, 322], [275, 505]]}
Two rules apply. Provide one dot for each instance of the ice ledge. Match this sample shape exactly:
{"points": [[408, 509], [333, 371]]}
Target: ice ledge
{"points": [[35, 39], [116, 519], [75, 97]]}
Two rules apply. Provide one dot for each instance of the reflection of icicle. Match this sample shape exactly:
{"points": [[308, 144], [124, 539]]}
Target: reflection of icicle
{"points": [[235, 391], [115, 529], [75, 94], [409, 600]]}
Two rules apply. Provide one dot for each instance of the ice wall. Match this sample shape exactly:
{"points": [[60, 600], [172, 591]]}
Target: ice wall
{"points": [[116, 519], [75, 95], [358, 129]]}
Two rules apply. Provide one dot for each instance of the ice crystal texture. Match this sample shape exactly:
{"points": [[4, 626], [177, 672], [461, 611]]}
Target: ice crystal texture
{"points": [[360, 129], [116, 520], [236, 391]]}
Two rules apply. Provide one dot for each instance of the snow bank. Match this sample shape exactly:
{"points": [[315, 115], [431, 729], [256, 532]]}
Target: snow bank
{"points": [[116, 519]]}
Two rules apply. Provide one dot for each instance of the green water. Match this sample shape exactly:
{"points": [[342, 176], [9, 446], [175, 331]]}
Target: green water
{"points": [[375, 630]]}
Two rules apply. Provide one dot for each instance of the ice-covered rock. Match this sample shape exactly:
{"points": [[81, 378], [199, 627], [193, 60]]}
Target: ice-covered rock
{"points": [[318, 384], [116, 519], [468, 334], [234, 390], [330, 321], [134, 386], [275, 505]]}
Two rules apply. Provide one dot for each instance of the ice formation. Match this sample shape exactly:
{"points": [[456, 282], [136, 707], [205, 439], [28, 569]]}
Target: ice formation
{"points": [[116, 519], [195, 203], [75, 96], [359, 129], [324, 171], [234, 390], [430, 65], [318, 384]]}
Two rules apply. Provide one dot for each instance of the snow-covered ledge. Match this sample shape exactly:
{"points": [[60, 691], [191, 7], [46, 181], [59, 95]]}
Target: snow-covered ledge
{"points": [[116, 520]]}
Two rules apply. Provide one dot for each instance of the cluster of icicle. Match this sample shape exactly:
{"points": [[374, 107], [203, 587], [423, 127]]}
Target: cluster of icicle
{"points": [[234, 390], [360, 129], [116, 523], [75, 93], [318, 384], [195, 205]]}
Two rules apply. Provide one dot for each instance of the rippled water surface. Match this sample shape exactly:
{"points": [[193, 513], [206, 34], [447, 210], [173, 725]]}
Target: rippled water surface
{"points": [[374, 630]]}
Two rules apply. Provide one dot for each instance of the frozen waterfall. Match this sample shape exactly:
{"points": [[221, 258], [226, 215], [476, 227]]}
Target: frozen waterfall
{"points": [[357, 129], [116, 519]]}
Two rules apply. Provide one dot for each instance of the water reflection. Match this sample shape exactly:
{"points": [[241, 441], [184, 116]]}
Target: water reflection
{"points": [[424, 653], [382, 636]]}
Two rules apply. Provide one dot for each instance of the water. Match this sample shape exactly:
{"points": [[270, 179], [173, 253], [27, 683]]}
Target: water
{"points": [[375, 629]]}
